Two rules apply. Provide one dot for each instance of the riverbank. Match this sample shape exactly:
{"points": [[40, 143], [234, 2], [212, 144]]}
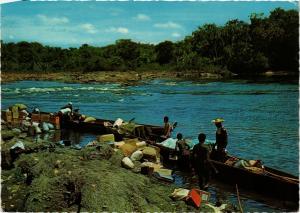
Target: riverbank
{"points": [[50, 177], [63, 179], [126, 77], [136, 77]]}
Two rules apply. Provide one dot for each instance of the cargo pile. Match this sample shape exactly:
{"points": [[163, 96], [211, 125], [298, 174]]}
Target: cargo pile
{"points": [[48, 177], [54, 176], [140, 157], [33, 123]]}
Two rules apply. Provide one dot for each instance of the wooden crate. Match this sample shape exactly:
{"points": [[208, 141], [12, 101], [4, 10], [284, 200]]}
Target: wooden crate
{"points": [[35, 117], [15, 112], [6, 116], [45, 117], [16, 121], [9, 118]]}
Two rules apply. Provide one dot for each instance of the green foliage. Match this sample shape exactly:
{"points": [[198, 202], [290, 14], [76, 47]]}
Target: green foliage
{"points": [[207, 41], [277, 38], [243, 48], [164, 51]]}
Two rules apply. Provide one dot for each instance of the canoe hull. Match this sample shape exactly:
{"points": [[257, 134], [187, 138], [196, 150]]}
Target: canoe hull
{"points": [[98, 127], [271, 187], [277, 188]]}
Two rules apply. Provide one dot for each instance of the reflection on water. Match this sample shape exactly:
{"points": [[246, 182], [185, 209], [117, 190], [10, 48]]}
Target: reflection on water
{"points": [[76, 138]]}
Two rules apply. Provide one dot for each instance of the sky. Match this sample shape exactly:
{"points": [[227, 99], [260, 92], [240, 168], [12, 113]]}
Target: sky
{"points": [[73, 23]]}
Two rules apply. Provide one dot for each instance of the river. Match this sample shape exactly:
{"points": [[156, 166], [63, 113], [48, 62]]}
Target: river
{"points": [[261, 119]]}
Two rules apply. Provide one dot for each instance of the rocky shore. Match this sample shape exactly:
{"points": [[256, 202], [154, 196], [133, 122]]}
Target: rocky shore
{"points": [[126, 77], [49, 177]]}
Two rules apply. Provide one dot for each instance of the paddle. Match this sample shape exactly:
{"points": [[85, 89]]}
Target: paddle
{"points": [[174, 125], [132, 119]]}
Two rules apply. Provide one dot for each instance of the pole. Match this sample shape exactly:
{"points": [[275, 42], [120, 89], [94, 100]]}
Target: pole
{"points": [[238, 197]]}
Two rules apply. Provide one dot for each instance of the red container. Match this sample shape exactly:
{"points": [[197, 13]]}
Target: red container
{"points": [[196, 197], [54, 119]]}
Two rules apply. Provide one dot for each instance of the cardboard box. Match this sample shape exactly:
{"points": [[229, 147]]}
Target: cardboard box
{"points": [[9, 118], [106, 138], [6, 116], [16, 121], [35, 117], [45, 117], [15, 112]]}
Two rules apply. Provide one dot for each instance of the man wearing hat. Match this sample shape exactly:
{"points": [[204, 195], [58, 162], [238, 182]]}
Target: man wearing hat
{"points": [[69, 105], [221, 140]]}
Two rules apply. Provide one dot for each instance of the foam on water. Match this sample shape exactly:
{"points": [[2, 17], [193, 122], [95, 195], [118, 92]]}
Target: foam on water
{"points": [[58, 89]]}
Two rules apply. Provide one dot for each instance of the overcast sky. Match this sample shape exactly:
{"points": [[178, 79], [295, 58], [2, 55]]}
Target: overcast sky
{"points": [[70, 24]]}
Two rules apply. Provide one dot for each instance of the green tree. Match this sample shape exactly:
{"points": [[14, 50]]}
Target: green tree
{"points": [[276, 37], [128, 51], [164, 51], [208, 42]]}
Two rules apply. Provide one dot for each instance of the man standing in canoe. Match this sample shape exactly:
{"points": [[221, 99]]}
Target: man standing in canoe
{"points": [[167, 128], [221, 140], [201, 162]]}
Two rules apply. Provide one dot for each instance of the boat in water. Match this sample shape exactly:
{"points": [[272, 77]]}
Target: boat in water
{"points": [[264, 181]]}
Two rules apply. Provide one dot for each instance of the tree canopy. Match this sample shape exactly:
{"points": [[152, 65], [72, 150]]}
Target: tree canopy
{"points": [[266, 43]]}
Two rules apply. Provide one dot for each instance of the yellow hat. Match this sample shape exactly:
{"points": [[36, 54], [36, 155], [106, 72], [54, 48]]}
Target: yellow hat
{"points": [[218, 120]]}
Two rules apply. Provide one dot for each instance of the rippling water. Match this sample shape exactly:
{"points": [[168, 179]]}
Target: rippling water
{"points": [[261, 119]]}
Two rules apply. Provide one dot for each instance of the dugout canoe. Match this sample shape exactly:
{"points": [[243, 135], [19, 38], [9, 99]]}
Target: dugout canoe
{"points": [[104, 126], [271, 183]]}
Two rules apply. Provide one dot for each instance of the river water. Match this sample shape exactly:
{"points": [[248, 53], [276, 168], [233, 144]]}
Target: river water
{"points": [[261, 119]]}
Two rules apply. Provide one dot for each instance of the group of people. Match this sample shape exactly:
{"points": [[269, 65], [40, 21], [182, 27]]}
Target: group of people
{"points": [[198, 159], [200, 156]]}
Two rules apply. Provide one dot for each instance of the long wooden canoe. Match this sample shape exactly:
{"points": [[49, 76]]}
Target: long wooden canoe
{"points": [[104, 126], [268, 182], [271, 183]]}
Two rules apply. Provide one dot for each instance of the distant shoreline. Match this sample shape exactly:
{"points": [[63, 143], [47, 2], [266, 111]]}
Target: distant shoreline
{"points": [[123, 77], [136, 77]]}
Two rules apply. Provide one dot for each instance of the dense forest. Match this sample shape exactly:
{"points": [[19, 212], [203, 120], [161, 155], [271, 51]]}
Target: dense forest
{"points": [[266, 43]]}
